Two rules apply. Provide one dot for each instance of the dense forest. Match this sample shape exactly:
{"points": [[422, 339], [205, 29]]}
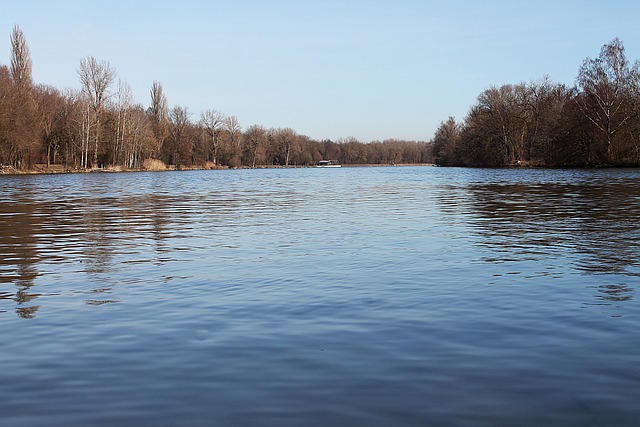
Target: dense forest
{"points": [[101, 126], [594, 124]]}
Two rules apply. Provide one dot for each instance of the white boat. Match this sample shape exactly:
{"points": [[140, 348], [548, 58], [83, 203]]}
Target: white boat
{"points": [[327, 164]]}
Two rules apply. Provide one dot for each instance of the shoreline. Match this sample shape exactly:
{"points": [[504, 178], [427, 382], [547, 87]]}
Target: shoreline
{"points": [[60, 169]]}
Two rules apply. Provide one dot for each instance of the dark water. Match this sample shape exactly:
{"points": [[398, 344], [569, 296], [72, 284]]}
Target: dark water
{"points": [[312, 297]]}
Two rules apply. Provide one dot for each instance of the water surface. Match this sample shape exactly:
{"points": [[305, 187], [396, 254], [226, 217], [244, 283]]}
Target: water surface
{"points": [[356, 296]]}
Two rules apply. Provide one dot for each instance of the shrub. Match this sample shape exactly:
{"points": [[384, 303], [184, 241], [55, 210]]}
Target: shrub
{"points": [[153, 165]]}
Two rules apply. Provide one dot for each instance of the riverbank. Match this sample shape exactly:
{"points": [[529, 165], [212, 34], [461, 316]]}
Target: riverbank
{"points": [[43, 169]]}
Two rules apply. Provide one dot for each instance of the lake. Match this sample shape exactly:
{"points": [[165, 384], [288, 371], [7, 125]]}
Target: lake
{"points": [[383, 296]]}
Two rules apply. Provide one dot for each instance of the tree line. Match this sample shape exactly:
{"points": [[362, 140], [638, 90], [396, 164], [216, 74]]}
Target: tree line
{"points": [[596, 123], [100, 125]]}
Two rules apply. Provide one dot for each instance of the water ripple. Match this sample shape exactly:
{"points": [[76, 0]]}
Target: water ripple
{"points": [[364, 296]]}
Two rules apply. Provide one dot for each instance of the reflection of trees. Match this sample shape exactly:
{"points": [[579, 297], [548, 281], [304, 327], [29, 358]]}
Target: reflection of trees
{"points": [[615, 293], [593, 223], [597, 221], [18, 263], [90, 232], [27, 312], [99, 221]]}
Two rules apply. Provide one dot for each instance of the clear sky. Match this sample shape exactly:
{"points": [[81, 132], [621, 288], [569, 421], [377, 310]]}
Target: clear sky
{"points": [[371, 69]]}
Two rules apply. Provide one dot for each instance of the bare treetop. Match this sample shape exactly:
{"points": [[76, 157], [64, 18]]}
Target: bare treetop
{"points": [[159, 106], [21, 68], [96, 77]]}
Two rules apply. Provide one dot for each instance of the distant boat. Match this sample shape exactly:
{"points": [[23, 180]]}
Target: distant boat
{"points": [[327, 164]]}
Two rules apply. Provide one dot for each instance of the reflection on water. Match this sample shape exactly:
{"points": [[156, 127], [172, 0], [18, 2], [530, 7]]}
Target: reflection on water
{"points": [[615, 293], [364, 296], [596, 221], [585, 221], [66, 228]]}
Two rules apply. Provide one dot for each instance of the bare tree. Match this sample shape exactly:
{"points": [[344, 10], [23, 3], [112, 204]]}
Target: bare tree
{"points": [[139, 138], [445, 142], [159, 110], [547, 103], [212, 122], [51, 105], [498, 118], [21, 68], [85, 129], [21, 110], [178, 121], [285, 139], [606, 83], [124, 100], [96, 78], [232, 126], [77, 113], [159, 106], [254, 139]]}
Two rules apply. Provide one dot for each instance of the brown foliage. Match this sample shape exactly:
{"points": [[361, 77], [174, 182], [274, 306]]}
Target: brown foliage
{"points": [[547, 124], [153, 165], [81, 129]]}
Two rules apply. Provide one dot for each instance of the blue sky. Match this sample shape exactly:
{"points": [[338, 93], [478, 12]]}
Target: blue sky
{"points": [[333, 69]]}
